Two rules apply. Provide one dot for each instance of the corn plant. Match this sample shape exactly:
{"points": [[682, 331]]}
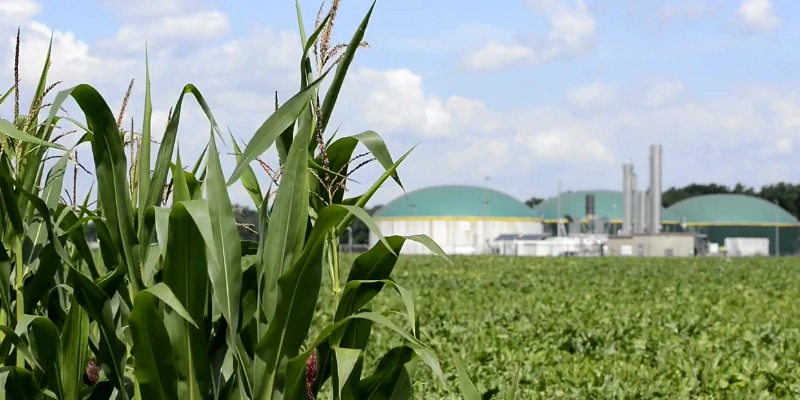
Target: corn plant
{"points": [[176, 305]]}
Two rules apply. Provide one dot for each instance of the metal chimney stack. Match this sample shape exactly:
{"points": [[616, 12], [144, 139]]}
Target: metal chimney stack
{"points": [[633, 212], [655, 189], [627, 198], [641, 212]]}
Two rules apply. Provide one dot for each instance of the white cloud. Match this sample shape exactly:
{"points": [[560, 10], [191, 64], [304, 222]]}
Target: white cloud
{"points": [[497, 55], [572, 33], [664, 92], [594, 95], [685, 9], [73, 57], [527, 144], [13, 11], [196, 27], [394, 101], [147, 9], [759, 15]]}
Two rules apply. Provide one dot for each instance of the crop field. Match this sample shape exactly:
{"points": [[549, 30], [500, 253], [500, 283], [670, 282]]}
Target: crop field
{"points": [[605, 328]]}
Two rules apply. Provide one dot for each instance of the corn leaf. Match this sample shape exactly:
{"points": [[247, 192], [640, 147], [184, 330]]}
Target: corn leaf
{"points": [[111, 169], [111, 351], [45, 344], [75, 342], [156, 373], [281, 119], [185, 273], [466, 386], [225, 270]]}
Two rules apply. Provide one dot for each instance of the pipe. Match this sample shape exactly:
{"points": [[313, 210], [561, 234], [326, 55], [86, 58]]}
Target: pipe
{"points": [[627, 200], [655, 188]]}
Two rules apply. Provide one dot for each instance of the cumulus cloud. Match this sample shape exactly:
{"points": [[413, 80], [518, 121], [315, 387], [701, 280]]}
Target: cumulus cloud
{"points": [[686, 9], [192, 28], [572, 33], [395, 102], [597, 94], [759, 15], [462, 137], [664, 92], [12, 11]]}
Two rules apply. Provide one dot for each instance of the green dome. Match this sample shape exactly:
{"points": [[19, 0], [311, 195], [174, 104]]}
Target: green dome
{"points": [[607, 203], [455, 201], [731, 209]]}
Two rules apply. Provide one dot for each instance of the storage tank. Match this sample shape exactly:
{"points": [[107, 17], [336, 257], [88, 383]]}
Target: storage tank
{"points": [[722, 216], [460, 219]]}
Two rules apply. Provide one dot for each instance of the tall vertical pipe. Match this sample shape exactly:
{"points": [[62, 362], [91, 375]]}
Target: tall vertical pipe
{"points": [[641, 210], [634, 184], [655, 188], [627, 199]]}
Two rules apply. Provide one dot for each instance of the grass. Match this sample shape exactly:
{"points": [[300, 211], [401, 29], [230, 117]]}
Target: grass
{"points": [[607, 327]]}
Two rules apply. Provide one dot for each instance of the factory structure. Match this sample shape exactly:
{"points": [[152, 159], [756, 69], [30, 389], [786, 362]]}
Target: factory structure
{"points": [[467, 220]]}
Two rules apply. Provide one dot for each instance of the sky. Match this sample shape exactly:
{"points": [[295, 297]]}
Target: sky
{"points": [[523, 92]]}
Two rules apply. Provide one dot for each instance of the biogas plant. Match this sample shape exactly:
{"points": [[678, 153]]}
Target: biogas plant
{"points": [[467, 220]]}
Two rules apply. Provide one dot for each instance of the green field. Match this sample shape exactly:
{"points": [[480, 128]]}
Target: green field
{"points": [[607, 328]]}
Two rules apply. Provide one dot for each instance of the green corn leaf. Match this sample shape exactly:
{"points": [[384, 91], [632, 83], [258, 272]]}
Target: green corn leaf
{"points": [[155, 191], [12, 336], [9, 201], [377, 147], [180, 188], [427, 355], [41, 87], [348, 368], [111, 350], [164, 293], [43, 280], [74, 229], [75, 342], [111, 169], [5, 282], [468, 389], [155, 371], [248, 178], [287, 228], [167, 146], [199, 161], [388, 382], [47, 218], [20, 384], [7, 129], [362, 200], [185, 272], [298, 291], [54, 183], [269, 131], [226, 269], [45, 344], [144, 158]]}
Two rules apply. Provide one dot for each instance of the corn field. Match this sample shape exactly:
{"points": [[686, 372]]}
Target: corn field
{"points": [[175, 305]]}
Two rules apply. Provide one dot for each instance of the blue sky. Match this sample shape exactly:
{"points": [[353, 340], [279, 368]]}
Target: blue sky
{"points": [[527, 92]]}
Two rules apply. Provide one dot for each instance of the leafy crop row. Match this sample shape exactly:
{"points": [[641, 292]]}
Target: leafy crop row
{"points": [[611, 328]]}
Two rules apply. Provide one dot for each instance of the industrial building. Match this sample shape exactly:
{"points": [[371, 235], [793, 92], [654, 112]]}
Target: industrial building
{"points": [[715, 217], [630, 222], [460, 219], [608, 206]]}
